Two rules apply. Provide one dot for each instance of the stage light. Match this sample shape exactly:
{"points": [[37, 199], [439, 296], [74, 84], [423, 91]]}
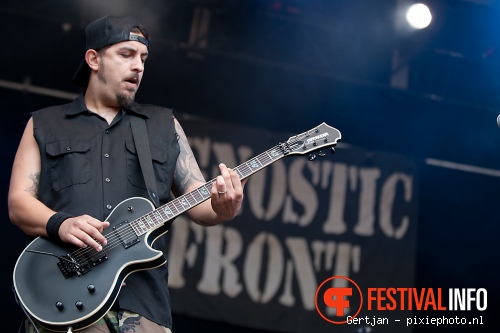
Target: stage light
{"points": [[418, 16]]}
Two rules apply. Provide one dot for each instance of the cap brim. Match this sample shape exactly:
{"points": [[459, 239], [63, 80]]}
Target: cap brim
{"points": [[82, 74]]}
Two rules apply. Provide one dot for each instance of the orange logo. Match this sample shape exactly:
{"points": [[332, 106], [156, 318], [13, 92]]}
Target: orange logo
{"points": [[341, 299]]}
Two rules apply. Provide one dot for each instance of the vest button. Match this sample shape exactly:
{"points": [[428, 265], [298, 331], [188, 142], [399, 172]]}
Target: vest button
{"points": [[107, 180], [109, 206]]}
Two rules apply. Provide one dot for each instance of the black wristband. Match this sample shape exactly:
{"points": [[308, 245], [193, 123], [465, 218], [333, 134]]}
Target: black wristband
{"points": [[54, 224]]}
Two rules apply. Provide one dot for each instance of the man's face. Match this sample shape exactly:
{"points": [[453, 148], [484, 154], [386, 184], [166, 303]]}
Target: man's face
{"points": [[120, 70]]}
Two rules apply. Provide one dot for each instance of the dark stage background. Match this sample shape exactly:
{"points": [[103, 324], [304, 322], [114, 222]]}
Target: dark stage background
{"points": [[284, 66]]}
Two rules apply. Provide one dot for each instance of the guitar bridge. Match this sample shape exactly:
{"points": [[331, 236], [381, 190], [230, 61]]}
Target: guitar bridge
{"points": [[70, 266]]}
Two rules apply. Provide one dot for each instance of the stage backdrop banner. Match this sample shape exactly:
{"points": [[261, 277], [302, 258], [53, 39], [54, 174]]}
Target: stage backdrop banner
{"points": [[351, 214]]}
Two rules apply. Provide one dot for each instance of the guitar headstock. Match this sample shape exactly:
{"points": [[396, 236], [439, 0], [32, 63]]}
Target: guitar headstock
{"points": [[320, 137]]}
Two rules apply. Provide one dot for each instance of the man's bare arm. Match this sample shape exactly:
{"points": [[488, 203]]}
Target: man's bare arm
{"points": [[226, 194], [30, 214], [25, 210], [187, 172]]}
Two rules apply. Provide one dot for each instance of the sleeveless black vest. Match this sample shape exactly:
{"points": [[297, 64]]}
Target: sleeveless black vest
{"points": [[89, 166]]}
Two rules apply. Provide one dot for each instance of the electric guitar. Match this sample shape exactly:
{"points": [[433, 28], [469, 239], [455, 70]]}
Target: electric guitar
{"points": [[66, 288]]}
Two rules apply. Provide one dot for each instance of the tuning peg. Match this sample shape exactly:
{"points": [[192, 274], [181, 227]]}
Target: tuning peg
{"points": [[311, 157], [321, 154], [332, 150]]}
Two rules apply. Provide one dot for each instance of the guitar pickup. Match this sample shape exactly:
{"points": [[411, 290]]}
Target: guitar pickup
{"points": [[126, 234]]}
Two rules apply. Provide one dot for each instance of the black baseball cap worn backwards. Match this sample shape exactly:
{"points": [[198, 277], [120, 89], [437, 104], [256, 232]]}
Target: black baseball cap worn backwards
{"points": [[106, 31]]}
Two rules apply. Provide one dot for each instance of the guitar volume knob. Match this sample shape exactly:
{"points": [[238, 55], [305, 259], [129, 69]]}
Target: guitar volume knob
{"points": [[91, 288], [79, 305], [59, 305]]}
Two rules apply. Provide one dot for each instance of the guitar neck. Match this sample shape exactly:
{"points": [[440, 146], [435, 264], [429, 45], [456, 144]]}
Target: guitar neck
{"points": [[187, 201], [307, 142]]}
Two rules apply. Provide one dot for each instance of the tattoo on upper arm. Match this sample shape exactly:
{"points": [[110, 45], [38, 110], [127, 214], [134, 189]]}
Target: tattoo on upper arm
{"points": [[33, 189], [187, 170]]}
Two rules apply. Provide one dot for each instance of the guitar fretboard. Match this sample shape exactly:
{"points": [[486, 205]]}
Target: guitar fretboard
{"points": [[186, 201], [314, 139]]}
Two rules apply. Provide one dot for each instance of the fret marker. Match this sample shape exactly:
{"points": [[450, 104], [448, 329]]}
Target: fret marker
{"points": [[141, 224], [254, 164]]}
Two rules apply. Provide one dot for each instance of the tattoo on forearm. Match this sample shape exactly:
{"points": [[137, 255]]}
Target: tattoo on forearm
{"points": [[187, 170], [36, 181]]}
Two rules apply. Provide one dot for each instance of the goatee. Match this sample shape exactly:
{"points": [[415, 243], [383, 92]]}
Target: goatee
{"points": [[125, 101]]}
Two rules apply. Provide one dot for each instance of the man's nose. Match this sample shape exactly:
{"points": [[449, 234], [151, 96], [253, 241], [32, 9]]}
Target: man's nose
{"points": [[138, 64]]}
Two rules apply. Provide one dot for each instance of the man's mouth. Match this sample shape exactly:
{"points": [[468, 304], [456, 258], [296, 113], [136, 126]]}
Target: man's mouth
{"points": [[133, 80]]}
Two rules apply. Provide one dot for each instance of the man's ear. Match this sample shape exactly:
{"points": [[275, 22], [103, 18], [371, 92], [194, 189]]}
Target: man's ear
{"points": [[92, 59]]}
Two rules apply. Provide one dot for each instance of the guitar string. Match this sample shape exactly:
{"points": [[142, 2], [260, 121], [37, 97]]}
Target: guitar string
{"points": [[121, 235], [116, 239]]}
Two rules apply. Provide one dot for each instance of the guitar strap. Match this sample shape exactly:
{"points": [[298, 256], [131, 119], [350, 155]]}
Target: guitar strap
{"points": [[140, 134]]}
